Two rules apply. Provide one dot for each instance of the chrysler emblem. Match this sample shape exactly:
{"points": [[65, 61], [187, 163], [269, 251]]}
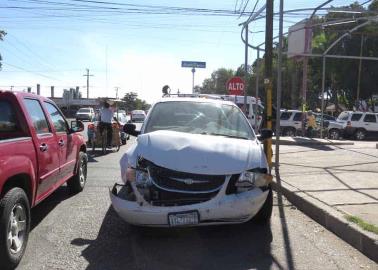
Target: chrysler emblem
{"points": [[188, 181]]}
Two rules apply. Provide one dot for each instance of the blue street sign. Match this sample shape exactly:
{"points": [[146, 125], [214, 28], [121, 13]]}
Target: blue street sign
{"points": [[193, 64]]}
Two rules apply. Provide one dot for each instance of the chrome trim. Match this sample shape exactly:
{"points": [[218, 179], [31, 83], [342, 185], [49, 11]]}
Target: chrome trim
{"points": [[16, 139], [185, 191]]}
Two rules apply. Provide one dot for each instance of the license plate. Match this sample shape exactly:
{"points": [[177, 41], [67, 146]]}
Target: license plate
{"points": [[183, 218]]}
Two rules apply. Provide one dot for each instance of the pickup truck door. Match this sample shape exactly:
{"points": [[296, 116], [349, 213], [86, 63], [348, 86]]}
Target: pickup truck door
{"points": [[67, 148], [46, 147]]}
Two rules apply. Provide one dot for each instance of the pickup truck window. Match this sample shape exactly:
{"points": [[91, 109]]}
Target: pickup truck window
{"points": [[38, 117], [57, 119], [8, 120]]}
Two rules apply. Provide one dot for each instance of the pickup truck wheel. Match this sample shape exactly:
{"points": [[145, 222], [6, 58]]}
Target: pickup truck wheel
{"points": [[289, 132], [77, 182], [14, 227], [264, 214]]}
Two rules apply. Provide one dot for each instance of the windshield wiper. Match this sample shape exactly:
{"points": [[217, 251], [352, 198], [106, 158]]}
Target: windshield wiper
{"points": [[225, 135]]}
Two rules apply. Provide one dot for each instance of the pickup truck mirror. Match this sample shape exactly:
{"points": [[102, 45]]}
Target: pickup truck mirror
{"points": [[129, 128], [265, 134], [77, 126]]}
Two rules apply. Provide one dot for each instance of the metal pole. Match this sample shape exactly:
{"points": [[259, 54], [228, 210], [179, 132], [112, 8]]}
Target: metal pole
{"points": [[279, 89], [246, 70], [257, 72], [359, 72], [268, 76], [323, 90], [87, 83], [193, 71]]}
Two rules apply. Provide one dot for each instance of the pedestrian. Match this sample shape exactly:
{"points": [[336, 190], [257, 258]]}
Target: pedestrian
{"points": [[106, 116], [311, 123]]}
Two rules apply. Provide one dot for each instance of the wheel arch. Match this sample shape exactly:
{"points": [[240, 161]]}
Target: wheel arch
{"points": [[21, 180]]}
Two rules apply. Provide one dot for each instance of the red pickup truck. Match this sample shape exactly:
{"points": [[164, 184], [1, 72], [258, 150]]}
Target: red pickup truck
{"points": [[39, 152]]}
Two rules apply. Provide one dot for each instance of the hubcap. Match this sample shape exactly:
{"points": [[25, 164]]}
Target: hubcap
{"points": [[360, 135], [16, 228]]}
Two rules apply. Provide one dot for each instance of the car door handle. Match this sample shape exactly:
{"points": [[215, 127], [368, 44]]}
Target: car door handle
{"points": [[61, 143], [43, 147]]}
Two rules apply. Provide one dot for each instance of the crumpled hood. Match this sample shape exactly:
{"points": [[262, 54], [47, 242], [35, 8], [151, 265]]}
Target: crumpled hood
{"points": [[196, 153]]}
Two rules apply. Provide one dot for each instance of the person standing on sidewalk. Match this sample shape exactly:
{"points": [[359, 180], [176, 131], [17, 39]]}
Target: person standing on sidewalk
{"points": [[311, 123], [106, 116]]}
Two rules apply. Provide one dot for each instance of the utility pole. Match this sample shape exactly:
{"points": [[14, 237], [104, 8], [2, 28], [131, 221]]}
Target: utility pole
{"points": [[268, 76], [193, 71], [245, 70], [88, 75], [116, 89], [359, 74]]}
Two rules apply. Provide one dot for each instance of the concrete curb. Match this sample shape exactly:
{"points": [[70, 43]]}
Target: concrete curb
{"points": [[311, 142], [333, 220]]}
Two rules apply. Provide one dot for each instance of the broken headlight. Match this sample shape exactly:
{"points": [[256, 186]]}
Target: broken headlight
{"points": [[249, 180]]}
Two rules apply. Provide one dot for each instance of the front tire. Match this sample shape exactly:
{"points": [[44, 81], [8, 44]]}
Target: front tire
{"points": [[289, 132], [264, 214], [77, 182], [334, 134], [14, 227]]}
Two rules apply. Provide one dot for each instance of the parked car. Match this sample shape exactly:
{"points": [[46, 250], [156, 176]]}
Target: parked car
{"points": [[196, 162], [359, 124], [85, 114], [39, 152], [291, 122], [138, 116]]}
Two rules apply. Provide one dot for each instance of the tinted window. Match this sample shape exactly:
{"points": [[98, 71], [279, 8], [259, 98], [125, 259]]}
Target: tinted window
{"points": [[57, 119], [343, 116], [37, 116], [356, 117], [84, 111], [370, 118], [285, 115], [298, 117], [8, 119]]}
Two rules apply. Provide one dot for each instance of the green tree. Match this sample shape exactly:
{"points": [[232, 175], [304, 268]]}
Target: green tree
{"points": [[216, 84], [134, 103]]}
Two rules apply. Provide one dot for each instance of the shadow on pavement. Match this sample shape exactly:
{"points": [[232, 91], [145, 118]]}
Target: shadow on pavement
{"points": [[39, 212], [321, 147], [122, 246]]}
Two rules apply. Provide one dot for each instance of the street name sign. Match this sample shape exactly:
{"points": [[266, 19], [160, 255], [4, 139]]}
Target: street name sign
{"points": [[193, 64]]}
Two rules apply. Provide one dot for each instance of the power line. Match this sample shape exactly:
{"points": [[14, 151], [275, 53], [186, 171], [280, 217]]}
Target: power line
{"points": [[36, 73]]}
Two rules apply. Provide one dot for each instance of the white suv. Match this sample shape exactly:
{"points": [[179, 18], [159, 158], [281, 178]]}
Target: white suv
{"points": [[195, 162], [291, 122], [359, 124]]}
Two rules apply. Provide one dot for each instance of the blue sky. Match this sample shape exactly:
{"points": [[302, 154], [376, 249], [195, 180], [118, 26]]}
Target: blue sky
{"points": [[51, 45]]}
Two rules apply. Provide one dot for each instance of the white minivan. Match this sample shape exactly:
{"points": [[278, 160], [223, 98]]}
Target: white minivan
{"points": [[196, 161]]}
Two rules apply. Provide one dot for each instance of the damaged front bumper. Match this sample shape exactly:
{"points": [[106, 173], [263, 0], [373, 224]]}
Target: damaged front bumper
{"points": [[222, 209]]}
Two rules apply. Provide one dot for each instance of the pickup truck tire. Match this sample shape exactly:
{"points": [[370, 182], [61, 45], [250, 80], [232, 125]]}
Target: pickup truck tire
{"points": [[77, 182], [264, 214], [14, 227], [289, 132]]}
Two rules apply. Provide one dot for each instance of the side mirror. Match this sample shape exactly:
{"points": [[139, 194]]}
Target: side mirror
{"points": [[130, 129], [265, 134], [77, 126]]}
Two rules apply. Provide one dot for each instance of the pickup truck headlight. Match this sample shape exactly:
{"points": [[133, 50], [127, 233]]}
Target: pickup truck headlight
{"points": [[140, 177], [249, 180]]}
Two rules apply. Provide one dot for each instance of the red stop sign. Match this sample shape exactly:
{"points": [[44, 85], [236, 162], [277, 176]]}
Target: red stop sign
{"points": [[235, 86]]}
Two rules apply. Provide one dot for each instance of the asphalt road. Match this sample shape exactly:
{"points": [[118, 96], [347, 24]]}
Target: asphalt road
{"points": [[83, 232]]}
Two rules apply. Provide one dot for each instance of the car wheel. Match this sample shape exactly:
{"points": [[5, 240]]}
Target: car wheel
{"points": [[77, 182], [14, 227], [264, 214], [334, 134], [124, 141], [360, 134], [289, 132]]}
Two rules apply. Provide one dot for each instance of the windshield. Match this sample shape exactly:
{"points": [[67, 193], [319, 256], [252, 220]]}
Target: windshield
{"points": [[83, 111], [138, 117], [199, 118]]}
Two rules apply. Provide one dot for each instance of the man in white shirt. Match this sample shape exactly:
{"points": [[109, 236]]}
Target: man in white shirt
{"points": [[106, 116]]}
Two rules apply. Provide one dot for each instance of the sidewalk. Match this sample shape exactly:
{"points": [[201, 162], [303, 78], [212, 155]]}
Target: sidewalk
{"points": [[310, 141], [329, 182]]}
